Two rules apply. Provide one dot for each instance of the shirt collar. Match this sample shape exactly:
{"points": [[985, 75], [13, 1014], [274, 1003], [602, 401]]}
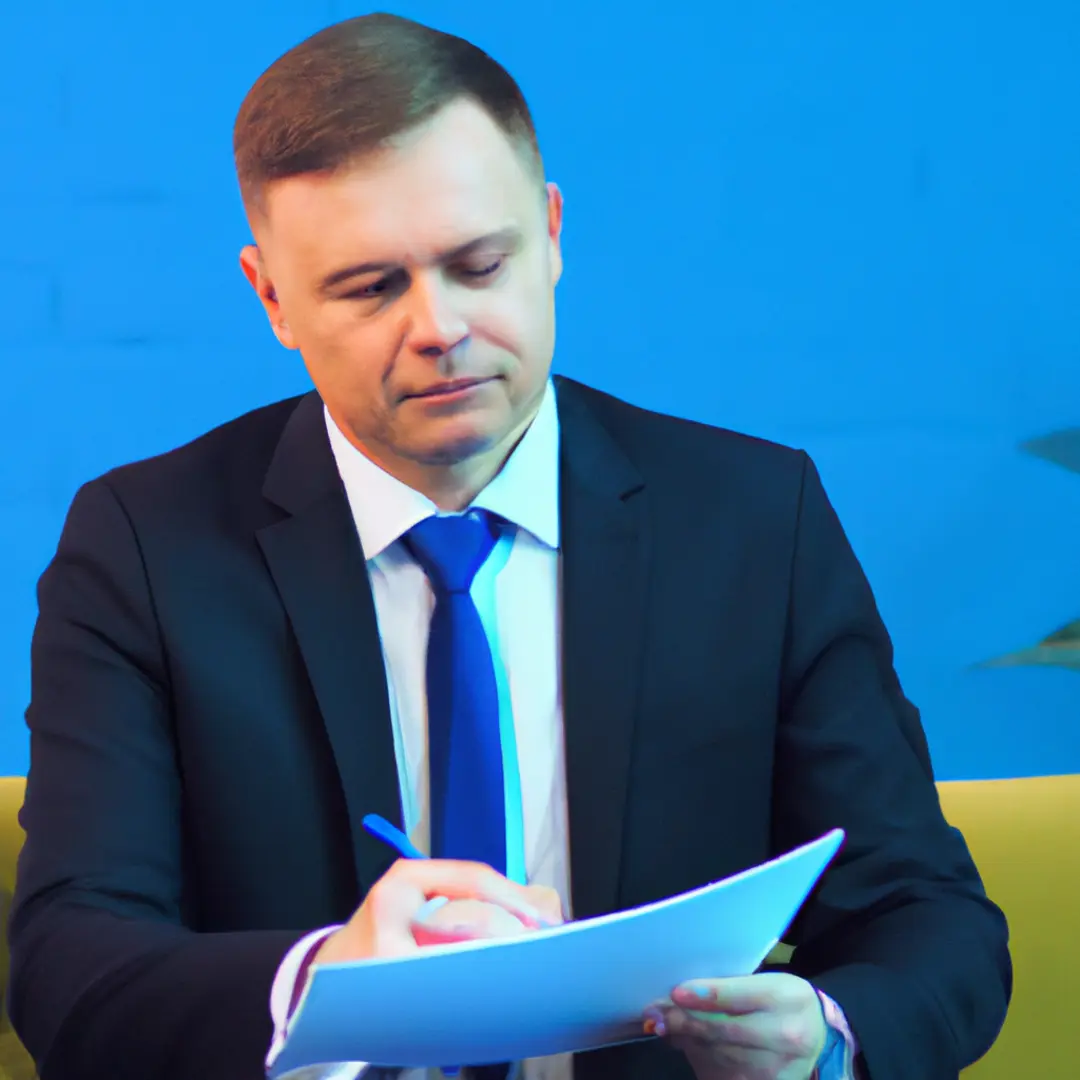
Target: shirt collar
{"points": [[524, 492]]}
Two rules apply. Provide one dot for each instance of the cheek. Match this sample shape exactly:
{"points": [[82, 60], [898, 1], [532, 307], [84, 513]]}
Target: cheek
{"points": [[518, 322], [354, 352]]}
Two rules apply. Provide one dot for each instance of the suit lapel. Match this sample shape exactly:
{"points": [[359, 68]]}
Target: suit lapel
{"points": [[317, 564], [604, 539]]}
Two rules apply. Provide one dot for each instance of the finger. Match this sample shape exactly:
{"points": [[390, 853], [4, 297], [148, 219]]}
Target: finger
{"points": [[547, 902], [435, 935], [667, 1022], [411, 882], [723, 1060], [477, 918], [738, 996], [468, 920], [788, 1034], [757, 1031]]}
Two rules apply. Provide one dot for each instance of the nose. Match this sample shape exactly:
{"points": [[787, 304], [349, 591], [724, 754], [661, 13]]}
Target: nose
{"points": [[435, 325]]}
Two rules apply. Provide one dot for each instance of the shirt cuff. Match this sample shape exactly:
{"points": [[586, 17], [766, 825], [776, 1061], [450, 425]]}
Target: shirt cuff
{"points": [[285, 995], [837, 1061]]}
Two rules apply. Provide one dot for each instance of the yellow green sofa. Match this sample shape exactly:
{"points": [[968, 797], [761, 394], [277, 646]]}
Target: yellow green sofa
{"points": [[1025, 837], [15, 1063]]}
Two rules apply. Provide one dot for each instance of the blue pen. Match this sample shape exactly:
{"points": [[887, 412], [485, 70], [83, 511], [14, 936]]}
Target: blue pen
{"points": [[393, 837], [389, 834]]}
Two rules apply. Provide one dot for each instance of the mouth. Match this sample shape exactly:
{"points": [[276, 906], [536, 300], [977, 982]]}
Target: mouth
{"points": [[457, 387]]}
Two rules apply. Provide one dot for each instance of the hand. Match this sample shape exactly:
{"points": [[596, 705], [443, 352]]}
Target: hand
{"points": [[760, 1027], [483, 904]]}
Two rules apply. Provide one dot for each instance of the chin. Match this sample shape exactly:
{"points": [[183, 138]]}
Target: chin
{"points": [[454, 438], [458, 447]]}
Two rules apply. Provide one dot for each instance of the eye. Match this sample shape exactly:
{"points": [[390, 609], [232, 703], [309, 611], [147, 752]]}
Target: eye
{"points": [[367, 292], [376, 289], [477, 272]]}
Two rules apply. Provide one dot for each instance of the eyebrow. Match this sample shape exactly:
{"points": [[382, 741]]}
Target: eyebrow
{"points": [[508, 237]]}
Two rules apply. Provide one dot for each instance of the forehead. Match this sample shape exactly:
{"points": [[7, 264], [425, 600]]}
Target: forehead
{"points": [[456, 178]]}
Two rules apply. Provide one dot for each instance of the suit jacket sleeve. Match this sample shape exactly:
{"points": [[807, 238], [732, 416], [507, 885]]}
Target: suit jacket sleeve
{"points": [[107, 977], [900, 932]]}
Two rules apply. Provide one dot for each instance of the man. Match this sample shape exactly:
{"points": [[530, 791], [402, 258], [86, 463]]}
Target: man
{"points": [[586, 655]]}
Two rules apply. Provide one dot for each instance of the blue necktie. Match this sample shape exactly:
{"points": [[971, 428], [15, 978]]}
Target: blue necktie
{"points": [[468, 809]]}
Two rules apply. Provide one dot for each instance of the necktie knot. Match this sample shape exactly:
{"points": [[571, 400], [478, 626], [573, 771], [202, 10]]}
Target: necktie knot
{"points": [[452, 549]]}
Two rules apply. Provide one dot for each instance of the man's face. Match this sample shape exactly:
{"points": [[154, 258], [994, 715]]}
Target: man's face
{"points": [[419, 288]]}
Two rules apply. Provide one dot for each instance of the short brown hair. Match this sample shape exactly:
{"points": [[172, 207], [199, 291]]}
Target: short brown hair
{"points": [[348, 89]]}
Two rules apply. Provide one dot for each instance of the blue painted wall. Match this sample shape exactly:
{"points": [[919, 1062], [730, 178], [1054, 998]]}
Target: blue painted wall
{"points": [[851, 227]]}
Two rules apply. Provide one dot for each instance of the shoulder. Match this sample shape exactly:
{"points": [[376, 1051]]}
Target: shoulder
{"points": [[228, 462], [687, 454]]}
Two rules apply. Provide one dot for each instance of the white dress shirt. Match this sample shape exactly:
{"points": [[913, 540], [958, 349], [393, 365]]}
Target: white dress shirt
{"points": [[516, 592]]}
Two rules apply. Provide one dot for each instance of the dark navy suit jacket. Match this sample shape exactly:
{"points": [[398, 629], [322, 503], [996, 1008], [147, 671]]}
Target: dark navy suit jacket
{"points": [[209, 723]]}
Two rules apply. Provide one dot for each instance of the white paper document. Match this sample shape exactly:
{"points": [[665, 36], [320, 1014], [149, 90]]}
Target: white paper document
{"points": [[576, 987]]}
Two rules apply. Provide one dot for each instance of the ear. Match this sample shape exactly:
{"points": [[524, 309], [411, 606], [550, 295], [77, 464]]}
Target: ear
{"points": [[254, 269], [554, 228]]}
